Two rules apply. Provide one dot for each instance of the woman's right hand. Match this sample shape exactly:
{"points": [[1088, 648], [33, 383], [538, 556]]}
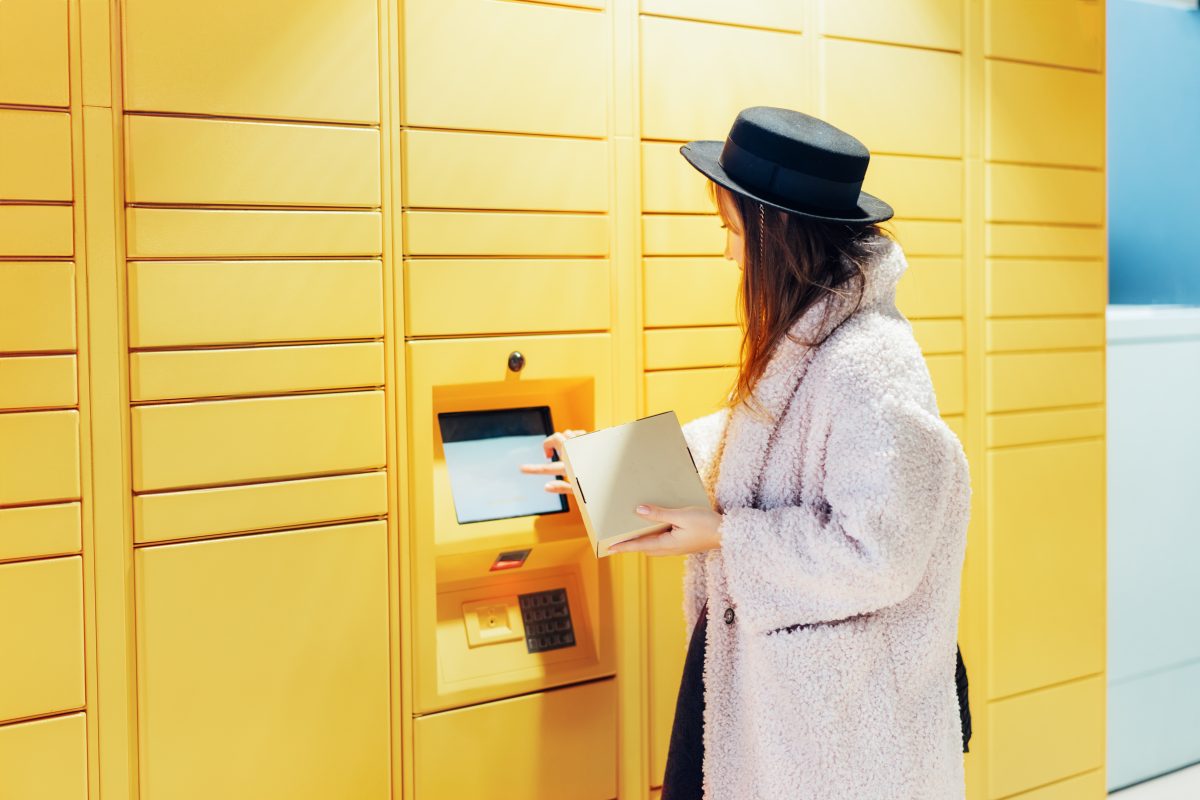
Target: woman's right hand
{"points": [[552, 443]]}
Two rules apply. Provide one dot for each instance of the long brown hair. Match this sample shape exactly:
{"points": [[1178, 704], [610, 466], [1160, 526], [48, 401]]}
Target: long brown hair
{"points": [[789, 263]]}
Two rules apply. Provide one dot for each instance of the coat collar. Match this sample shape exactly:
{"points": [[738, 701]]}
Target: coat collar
{"points": [[739, 468]]}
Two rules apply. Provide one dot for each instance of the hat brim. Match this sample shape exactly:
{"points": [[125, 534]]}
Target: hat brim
{"points": [[702, 154]]}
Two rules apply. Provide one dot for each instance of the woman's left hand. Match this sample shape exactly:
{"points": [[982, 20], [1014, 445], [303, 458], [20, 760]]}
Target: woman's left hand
{"points": [[693, 529]]}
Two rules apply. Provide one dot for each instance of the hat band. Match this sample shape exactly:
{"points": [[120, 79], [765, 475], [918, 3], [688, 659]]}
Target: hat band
{"points": [[768, 177]]}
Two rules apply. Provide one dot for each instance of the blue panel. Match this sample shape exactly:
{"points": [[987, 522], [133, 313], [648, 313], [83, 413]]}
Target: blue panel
{"points": [[1153, 114]]}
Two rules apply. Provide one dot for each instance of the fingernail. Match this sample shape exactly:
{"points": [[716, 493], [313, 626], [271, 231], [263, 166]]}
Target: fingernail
{"points": [[643, 510]]}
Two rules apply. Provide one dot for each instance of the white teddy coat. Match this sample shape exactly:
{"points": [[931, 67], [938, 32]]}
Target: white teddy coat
{"points": [[833, 677]]}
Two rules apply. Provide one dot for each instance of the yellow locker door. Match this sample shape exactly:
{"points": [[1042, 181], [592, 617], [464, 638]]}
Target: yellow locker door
{"points": [[254, 58], [44, 759], [33, 53], [41, 637], [262, 666]]}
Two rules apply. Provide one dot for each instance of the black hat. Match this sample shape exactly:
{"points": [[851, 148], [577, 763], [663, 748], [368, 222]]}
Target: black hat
{"points": [[794, 162]]}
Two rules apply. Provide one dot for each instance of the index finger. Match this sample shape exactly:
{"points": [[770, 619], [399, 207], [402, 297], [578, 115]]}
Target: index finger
{"points": [[555, 441]]}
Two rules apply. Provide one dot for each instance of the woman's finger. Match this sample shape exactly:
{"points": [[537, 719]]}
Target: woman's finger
{"points": [[549, 468], [555, 440]]}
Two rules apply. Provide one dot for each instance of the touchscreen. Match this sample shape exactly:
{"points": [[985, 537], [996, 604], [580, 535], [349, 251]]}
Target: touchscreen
{"points": [[484, 451]]}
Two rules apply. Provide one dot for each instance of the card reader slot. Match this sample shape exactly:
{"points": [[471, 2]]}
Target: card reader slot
{"points": [[579, 485]]}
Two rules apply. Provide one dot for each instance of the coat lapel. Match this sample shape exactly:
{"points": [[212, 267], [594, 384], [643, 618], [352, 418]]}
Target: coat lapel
{"points": [[746, 439]]}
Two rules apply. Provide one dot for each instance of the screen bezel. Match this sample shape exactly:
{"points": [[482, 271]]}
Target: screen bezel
{"points": [[548, 428]]}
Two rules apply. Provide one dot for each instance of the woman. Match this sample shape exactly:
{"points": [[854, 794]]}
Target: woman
{"points": [[831, 559]]}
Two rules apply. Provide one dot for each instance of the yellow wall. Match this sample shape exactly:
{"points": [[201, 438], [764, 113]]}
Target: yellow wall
{"points": [[243, 243]]}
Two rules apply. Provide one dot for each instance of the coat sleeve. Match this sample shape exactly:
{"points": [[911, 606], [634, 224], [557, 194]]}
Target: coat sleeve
{"points": [[895, 477], [702, 435]]}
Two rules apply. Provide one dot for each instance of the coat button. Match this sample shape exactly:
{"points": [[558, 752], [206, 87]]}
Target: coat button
{"points": [[729, 616]]}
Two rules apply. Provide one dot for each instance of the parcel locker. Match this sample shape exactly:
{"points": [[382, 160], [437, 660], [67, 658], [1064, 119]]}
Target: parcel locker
{"points": [[508, 598]]}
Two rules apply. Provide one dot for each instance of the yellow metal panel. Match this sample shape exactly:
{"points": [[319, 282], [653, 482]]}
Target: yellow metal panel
{"points": [[1020, 193], [275, 684], [458, 296], [41, 636], [1044, 114], [45, 758], [922, 23], [917, 187], [931, 287], [248, 163], [674, 348], [1088, 786], [1019, 381], [957, 423], [162, 375], [1032, 427], [1044, 241], [37, 382], [505, 66], [36, 231], [570, 373], [1029, 287], [231, 233], [948, 382], [919, 114], [1045, 735], [96, 26], [680, 235], [1069, 33], [484, 670], [165, 516], [781, 14], [530, 747], [37, 306], [1047, 564], [39, 461], [234, 302], [262, 58], [46, 530], [226, 441], [1044, 334], [705, 104], [690, 291], [447, 169], [690, 393], [459, 233], [670, 184], [35, 155], [938, 335], [33, 53], [926, 237], [668, 638]]}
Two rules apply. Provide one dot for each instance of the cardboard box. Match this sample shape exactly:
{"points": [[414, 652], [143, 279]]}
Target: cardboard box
{"points": [[614, 469]]}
